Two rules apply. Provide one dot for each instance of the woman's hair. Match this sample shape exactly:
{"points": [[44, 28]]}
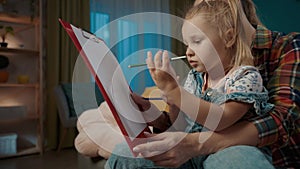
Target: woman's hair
{"points": [[224, 15], [250, 12]]}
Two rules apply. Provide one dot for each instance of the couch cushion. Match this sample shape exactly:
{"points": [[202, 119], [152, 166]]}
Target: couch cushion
{"points": [[81, 97]]}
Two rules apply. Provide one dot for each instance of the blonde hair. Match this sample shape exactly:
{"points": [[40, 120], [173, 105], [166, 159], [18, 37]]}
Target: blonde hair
{"points": [[225, 15]]}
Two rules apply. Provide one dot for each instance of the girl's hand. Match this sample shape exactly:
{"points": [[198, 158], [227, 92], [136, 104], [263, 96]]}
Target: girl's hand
{"points": [[162, 72], [141, 102], [153, 116]]}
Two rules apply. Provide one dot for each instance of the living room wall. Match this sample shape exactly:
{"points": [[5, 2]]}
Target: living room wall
{"points": [[279, 15]]}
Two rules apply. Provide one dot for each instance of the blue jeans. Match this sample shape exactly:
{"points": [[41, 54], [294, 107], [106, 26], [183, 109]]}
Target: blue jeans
{"points": [[236, 157]]}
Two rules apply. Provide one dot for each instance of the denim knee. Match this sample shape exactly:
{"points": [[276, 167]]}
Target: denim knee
{"points": [[122, 158], [246, 157]]}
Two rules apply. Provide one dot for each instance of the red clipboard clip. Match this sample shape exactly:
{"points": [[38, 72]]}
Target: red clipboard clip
{"points": [[90, 36]]}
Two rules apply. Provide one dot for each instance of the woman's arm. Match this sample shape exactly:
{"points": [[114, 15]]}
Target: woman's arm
{"points": [[172, 149]]}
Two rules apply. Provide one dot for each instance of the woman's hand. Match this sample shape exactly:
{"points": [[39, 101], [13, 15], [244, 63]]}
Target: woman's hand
{"points": [[172, 149], [162, 72]]}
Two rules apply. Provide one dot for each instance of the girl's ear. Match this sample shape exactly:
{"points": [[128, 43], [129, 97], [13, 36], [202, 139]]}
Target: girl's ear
{"points": [[229, 38]]}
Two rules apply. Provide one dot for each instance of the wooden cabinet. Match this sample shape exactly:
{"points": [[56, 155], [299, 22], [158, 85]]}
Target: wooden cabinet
{"points": [[21, 99]]}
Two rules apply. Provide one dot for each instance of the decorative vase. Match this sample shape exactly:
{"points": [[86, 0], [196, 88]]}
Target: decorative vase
{"points": [[3, 76], [23, 79], [3, 44]]}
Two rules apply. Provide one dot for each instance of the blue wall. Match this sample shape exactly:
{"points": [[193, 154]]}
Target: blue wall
{"points": [[280, 15]]}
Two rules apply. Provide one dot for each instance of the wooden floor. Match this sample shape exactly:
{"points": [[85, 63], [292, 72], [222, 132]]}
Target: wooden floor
{"points": [[65, 159]]}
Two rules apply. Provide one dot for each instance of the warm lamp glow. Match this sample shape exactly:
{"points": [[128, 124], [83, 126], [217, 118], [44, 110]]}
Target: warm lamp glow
{"points": [[10, 103]]}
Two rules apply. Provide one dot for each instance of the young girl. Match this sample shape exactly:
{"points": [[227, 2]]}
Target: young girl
{"points": [[226, 85], [222, 88]]}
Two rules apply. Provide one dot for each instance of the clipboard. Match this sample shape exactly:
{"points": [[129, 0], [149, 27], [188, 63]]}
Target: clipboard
{"points": [[110, 79]]}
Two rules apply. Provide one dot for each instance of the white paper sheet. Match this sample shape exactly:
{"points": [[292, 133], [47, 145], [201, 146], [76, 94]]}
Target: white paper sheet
{"points": [[112, 78]]}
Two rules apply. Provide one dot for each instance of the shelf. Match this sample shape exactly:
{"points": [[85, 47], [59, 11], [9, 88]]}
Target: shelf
{"points": [[21, 105], [6, 17], [19, 51], [12, 112], [18, 120], [19, 85]]}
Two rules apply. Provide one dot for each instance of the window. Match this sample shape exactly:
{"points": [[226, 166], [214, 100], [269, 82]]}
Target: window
{"points": [[130, 38], [98, 21]]}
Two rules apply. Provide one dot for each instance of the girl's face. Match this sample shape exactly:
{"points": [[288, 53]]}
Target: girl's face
{"points": [[205, 49]]}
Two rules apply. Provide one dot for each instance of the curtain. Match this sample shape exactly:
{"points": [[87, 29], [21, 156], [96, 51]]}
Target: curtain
{"points": [[60, 59], [130, 32]]}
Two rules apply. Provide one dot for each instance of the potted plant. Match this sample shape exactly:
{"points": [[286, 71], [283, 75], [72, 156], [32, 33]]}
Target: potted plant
{"points": [[5, 30], [4, 62]]}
